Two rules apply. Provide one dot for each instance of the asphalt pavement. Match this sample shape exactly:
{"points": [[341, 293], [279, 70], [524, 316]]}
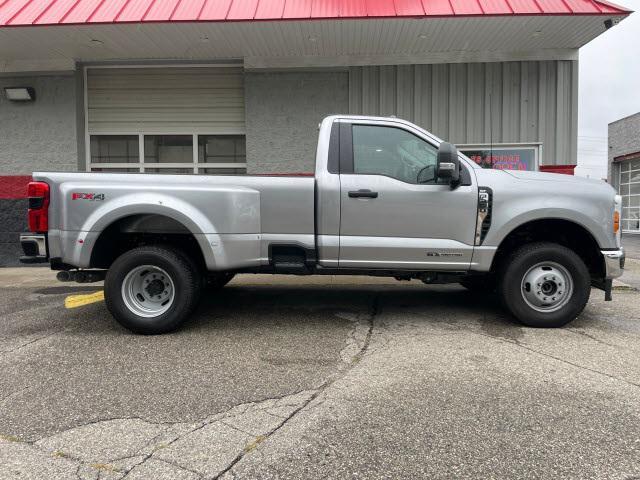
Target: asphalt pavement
{"points": [[321, 377], [631, 275], [631, 244]]}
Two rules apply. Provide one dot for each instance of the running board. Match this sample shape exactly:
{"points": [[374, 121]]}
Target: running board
{"points": [[291, 267]]}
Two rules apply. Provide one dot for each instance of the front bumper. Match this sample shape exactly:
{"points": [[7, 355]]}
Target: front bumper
{"points": [[613, 262], [34, 246]]}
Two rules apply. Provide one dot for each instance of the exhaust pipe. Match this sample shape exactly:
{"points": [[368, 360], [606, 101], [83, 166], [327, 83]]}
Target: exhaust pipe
{"points": [[81, 276], [64, 276]]}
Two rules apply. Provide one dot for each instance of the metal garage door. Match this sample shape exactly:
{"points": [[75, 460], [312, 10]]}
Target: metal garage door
{"points": [[168, 120]]}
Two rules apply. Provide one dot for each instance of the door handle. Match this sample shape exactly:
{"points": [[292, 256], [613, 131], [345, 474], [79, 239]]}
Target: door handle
{"points": [[363, 194]]}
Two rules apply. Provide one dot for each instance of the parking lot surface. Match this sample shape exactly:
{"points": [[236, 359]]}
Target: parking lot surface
{"points": [[631, 244], [322, 377]]}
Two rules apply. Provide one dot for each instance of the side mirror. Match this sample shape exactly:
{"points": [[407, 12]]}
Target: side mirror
{"points": [[448, 165]]}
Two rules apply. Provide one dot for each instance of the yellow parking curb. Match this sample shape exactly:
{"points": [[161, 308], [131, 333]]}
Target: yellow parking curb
{"points": [[75, 301]]}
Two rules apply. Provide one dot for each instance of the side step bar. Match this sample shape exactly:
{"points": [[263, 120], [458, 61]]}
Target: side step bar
{"points": [[291, 267]]}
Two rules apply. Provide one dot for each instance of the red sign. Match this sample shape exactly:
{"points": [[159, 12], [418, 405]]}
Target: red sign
{"points": [[504, 159]]}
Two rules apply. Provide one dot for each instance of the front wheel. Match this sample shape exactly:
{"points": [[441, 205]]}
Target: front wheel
{"points": [[152, 289], [544, 285]]}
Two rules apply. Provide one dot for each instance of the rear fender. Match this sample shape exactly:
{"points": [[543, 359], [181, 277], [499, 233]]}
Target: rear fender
{"points": [[219, 249]]}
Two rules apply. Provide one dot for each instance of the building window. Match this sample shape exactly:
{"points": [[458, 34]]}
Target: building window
{"points": [[204, 154], [224, 152], [504, 157], [114, 149], [630, 192], [168, 153]]}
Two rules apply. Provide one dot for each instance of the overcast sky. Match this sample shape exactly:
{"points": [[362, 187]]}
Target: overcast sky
{"points": [[609, 88]]}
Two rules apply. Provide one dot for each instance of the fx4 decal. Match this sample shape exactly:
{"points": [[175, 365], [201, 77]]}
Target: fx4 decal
{"points": [[92, 197]]}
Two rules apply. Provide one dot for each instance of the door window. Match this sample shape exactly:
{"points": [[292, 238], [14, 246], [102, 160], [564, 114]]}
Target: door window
{"points": [[393, 152]]}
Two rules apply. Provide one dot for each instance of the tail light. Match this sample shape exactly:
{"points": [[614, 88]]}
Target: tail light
{"points": [[38, 193]]}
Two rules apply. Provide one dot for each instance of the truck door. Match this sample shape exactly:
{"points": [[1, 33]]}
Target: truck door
{"points": [[394, 213]]}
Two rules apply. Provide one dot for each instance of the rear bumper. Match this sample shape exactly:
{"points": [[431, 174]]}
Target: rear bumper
{"points": [[34, 246], [613, 262]]}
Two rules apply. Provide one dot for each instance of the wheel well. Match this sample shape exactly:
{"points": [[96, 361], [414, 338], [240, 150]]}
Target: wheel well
{"points": [[145, 229], [564, 232]]}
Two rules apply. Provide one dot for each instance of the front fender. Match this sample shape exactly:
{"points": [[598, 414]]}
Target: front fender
{"points": [[499, 233]]}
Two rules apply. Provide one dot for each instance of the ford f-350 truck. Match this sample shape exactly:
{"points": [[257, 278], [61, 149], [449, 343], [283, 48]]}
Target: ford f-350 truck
{"points": [[388, 198]]}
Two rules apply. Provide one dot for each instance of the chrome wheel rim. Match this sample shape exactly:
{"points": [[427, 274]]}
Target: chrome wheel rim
{"points": [[148, 291], [547, 287]]}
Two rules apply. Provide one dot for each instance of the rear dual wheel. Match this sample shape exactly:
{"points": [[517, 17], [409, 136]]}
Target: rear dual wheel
{"points": [[152, 289], [544, 285]]}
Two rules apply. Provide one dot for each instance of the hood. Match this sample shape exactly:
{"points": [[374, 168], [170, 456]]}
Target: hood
{"points": [[552, 177], [546, 184]]}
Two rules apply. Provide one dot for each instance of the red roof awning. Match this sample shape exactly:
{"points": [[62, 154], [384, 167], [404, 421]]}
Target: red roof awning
{"points": [[82, 12]]}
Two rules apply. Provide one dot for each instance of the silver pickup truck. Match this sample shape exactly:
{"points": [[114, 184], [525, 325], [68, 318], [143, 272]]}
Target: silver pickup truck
{"points": [[387, 199]]}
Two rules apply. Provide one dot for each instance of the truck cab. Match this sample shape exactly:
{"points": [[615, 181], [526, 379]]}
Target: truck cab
{"points": [[391, 197]]}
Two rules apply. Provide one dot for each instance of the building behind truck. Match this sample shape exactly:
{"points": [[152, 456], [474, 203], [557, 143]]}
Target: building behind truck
{"points": [[235, 87], [624, 168]]}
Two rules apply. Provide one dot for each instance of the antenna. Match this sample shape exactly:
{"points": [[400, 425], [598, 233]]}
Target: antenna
{"points": [[490, 132]]}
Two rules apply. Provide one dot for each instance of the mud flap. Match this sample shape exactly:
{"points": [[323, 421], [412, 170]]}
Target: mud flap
{"points": [[606, 286]]}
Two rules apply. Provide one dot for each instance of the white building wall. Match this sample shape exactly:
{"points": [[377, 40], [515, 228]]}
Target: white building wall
{"points": [[512, 102], [39, 135], [472, 103], [283, 110], [624, 138]]}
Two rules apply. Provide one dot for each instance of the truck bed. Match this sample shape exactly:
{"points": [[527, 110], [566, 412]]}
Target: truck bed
{"points": [[235, 214]]}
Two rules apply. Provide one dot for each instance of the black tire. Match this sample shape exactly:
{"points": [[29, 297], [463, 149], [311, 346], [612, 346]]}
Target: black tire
{"points": [[185, 292], [216, 281], [531, 260], [485, 284]]}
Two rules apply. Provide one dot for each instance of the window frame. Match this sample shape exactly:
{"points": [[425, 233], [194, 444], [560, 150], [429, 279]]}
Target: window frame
{"points": [[195, 166], [346, 150], [626, 220], [97, 164]]}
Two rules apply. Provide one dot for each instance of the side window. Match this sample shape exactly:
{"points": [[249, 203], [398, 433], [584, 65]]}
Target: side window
{"points": [[393, 152]]}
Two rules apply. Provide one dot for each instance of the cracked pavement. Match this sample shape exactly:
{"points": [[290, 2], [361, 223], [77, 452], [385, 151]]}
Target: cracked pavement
{"points": [[279, 377]]}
